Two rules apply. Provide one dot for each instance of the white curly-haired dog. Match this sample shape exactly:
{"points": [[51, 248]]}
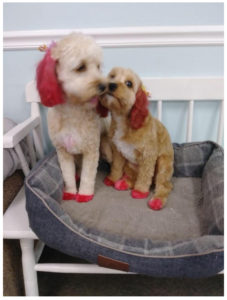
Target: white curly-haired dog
{"points": [[69, 81]]}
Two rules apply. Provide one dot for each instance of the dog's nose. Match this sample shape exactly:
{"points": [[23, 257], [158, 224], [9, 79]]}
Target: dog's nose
{"points": [[112, 86], [101, 87]]}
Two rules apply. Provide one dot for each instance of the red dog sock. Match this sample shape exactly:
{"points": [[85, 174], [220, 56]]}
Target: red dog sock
{"points": [[139, 195], [155, 204], [68, 196], [84, 198], [121, 185], [108, 182]]}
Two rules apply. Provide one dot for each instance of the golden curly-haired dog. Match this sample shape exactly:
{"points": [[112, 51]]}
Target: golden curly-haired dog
{"points": [[141, 145]]}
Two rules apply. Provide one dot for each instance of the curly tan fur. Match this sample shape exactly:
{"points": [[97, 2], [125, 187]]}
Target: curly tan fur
{"points": [[145, 154]]}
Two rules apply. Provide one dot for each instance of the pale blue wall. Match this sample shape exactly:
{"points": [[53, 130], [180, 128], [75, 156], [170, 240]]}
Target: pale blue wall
{"points": [[19, 66], [27, 16]]}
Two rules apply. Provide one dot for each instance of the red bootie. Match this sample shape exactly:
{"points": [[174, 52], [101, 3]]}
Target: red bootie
{"points": [[155, 204], [108, 182], [68, 196], [84, 198], [121, 185], [139, 195]]}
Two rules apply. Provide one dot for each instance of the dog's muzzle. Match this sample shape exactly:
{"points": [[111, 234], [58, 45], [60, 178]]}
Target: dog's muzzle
{"points": [[112, 86], [101, 87]]}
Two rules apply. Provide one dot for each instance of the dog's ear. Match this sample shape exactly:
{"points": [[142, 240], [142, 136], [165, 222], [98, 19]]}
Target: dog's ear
{"points": [[49, 88], [102, 110], [139, 110]]}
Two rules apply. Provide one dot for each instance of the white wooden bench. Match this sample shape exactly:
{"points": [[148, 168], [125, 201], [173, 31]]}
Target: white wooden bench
{"points": [[15, 220]]}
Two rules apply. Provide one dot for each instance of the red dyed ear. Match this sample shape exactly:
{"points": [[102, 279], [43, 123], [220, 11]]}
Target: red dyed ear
{"points": [[102, 110], [139, 110], [50, 90]]}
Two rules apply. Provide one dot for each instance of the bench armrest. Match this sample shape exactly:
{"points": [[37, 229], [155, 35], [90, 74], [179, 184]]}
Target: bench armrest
{"points": [[19, 132]]}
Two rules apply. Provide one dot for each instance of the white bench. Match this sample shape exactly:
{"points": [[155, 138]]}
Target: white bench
{"points": [[15, 220]]}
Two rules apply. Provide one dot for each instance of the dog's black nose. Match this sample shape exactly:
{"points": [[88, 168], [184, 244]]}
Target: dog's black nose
{"points": [[101, 87], [112, 86]]}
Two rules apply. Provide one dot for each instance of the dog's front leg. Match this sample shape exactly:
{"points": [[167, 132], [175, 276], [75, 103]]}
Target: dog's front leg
{"points": [[88, 174], [68, 168], [144, 177], [117, 168]]}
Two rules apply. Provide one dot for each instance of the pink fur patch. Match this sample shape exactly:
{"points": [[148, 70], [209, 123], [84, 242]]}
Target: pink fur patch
{"points": [[68, 142], [155, 204], [49, 88]]}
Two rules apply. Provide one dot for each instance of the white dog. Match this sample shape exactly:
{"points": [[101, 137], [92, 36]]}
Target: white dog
{"points": [[69, 80]]}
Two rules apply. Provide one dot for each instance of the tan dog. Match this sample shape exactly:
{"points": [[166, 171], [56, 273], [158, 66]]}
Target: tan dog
{"points": [[69, 81], [142, 149]]}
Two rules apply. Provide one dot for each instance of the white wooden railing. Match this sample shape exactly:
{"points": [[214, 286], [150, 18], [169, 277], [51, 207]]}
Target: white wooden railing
{"points": [[116, 37], [190, 90], [171, 89]]}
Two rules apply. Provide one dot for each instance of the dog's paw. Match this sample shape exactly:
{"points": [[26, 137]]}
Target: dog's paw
{"points": [[155, 204], [139, 195], [68, 196], [84, 198], [108, 182], [121, 185]]}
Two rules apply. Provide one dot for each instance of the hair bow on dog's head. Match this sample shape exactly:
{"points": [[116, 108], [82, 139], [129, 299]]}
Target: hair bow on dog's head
{"points": [[139, 110], [49, 88]]}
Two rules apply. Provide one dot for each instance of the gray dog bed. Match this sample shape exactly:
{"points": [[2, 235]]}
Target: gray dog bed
{"points": [[115, 212], [184, 239]]}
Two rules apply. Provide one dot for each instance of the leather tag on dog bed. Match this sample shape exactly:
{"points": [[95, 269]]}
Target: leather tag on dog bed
{"points": [[110, 263]]}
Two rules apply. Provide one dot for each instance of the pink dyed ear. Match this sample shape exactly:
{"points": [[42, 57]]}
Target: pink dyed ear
{"points": [[139, 110], [102, 110], [50, 90]]}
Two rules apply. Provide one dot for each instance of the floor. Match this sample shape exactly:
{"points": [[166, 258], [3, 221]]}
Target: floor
{"points": [[51, 284]]}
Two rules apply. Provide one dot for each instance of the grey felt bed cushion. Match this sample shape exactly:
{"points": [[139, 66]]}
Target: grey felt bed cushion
{"points": [[191, 224]]}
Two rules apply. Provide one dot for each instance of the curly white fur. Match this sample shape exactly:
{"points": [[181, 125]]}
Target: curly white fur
{"points": [[74, 127]]}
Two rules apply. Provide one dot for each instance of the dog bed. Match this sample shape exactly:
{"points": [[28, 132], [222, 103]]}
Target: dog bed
{"points": [[185, 239]]}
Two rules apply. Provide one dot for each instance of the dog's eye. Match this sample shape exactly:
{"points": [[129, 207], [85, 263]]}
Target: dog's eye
{"points": [[128, 83], [98, 66], [81, 68], [112, 75]]}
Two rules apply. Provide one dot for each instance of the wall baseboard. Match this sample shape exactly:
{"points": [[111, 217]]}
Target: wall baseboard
{"points": [[121, 36]]}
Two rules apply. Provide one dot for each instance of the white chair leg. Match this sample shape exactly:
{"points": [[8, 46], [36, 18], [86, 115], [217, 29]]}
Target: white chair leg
{"points": [[38, 250], [28, 264]]}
